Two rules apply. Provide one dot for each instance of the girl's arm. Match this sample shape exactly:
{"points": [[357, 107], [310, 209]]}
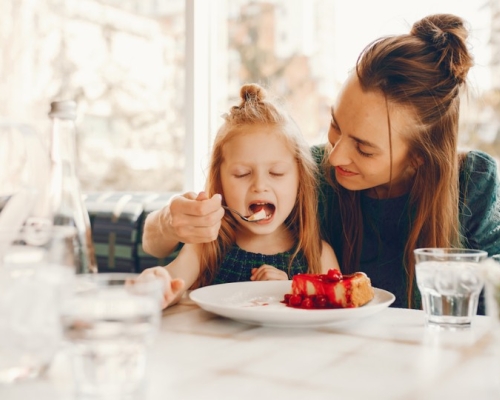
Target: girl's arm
{"points": [[179, 275], [328, 258], [269, 273]]}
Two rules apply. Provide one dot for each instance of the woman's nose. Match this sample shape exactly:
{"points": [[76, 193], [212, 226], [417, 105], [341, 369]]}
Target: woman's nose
{"points": [[339, 155]]}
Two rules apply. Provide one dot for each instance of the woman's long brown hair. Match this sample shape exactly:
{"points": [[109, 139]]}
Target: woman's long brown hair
{"points": [[423, 72], [256, 110]]}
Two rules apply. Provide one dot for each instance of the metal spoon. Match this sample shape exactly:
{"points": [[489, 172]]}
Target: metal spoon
{"points": [[247, 219]]}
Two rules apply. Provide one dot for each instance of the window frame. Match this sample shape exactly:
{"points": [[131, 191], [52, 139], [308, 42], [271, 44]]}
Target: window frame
{"points": [[205, 84]]}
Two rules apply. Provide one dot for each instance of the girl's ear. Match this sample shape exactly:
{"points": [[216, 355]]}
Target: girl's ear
{"points": [[416, 161]]}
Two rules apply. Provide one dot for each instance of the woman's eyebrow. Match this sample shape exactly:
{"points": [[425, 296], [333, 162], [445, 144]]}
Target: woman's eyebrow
{"points": [[364, 142], [357, 139]]}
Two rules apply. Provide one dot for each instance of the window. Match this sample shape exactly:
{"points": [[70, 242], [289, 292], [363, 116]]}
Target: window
{"points": [[152, 77], [303, 50], [123, 62]]}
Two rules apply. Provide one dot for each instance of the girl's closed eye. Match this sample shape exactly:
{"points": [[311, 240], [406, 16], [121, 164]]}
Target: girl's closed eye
{"points": [[239, 172], [276, 173]]}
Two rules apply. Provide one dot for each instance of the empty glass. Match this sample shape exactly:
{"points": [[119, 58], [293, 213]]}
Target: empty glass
{"points": [[34, 264], [492, 288], [110, 320], [33, 279], [24, 167]]}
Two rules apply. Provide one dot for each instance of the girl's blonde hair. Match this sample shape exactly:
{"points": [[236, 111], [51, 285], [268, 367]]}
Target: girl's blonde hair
{"points": [[422, 71], [256, 109]]}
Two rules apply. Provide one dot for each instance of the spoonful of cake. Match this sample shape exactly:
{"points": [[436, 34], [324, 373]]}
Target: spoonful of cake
{"points": [[255, 217]]}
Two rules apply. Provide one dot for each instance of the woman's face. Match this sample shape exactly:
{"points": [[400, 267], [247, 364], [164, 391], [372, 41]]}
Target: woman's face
{"points": [[359, 135]]}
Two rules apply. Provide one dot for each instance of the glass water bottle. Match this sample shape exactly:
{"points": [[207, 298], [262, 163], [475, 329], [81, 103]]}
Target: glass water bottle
{"points": [[67, 205]]}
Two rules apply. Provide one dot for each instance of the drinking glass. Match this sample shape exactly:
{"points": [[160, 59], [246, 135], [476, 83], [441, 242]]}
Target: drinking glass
{"points": [[24, 169], [32, 256], [109, 322], [450, 281], [33, 278], [492, 288]]}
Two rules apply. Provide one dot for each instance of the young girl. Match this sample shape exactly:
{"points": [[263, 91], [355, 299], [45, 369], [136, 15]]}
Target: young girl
{"points": [[259, 161]]}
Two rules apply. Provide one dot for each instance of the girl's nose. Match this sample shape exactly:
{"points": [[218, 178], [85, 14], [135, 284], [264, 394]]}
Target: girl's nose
{"points": [[259, 183]]}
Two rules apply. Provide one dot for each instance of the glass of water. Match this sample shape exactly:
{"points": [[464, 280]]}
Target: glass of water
{"points": [[450, 281], [33, 280], [109, 321]]}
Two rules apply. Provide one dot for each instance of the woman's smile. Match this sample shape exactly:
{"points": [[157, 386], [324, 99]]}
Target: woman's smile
{"points": [[344, 172]]}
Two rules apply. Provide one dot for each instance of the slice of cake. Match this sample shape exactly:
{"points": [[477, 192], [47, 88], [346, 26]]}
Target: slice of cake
{"points": [[261, 214], [331, 290]]}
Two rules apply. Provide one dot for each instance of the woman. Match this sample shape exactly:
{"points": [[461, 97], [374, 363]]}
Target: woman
{"points": [[393, 179]]}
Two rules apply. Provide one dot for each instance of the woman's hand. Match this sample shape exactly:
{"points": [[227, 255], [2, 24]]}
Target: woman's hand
{"points": [[172, 288], [188, 218], [194, 218], [268, 273]]}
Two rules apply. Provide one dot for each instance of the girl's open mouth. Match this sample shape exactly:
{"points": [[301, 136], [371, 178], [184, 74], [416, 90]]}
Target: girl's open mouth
{"points": [[261, 211]]}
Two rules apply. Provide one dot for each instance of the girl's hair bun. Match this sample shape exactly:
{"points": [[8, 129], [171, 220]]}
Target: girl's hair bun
{"points": [[252, 92], [447, 34]]}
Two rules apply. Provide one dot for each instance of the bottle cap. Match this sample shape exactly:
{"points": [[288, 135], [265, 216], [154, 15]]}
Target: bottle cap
{"points": [[64, 109]]}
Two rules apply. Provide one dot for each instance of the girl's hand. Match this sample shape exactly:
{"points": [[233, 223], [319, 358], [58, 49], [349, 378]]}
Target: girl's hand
{"points": [[171, 287], [268, 273]]}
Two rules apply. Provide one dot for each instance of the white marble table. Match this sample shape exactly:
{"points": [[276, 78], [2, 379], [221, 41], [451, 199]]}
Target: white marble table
{"points": [[390, 355]]}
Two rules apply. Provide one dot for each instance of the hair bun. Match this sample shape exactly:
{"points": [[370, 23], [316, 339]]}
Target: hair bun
{"points": [[252, 91], [447, 34], [432, 31]]}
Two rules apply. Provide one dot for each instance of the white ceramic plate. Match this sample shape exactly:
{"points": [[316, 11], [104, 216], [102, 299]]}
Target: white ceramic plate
{"points": [[259, 303]]}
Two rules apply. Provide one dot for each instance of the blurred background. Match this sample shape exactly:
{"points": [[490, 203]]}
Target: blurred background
{"points": [[152, 77]]}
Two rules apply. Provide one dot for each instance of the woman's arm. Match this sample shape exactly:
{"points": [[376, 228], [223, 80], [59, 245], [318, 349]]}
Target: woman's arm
{"points": [[480, 202], [156, 239]]}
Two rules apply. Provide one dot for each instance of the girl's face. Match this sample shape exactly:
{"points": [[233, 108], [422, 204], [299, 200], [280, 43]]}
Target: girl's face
{"points": [[259, 171], [359, 135]]}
